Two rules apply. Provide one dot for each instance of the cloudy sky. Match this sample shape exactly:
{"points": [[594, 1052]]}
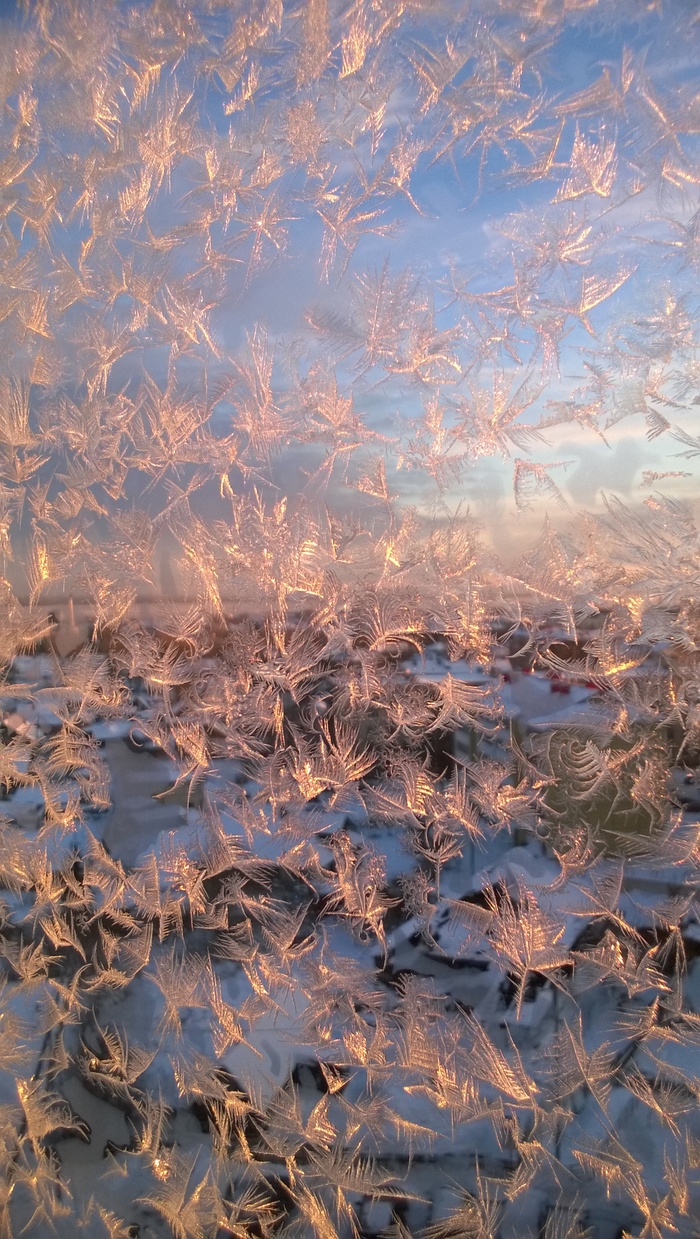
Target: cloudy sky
{"points": [[479, 222]]}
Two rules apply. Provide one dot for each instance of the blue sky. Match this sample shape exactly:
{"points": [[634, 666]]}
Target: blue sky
{"points": [[577, 123]]}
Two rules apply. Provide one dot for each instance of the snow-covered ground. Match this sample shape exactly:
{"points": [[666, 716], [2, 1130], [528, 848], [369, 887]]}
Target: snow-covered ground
{"points": [[259, 1002]]}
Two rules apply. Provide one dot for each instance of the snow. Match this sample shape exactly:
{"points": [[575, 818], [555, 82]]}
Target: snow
{"points": [[276, 1021]]}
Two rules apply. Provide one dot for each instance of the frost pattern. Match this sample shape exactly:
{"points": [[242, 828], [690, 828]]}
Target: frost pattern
{"points": [[349, 871]]}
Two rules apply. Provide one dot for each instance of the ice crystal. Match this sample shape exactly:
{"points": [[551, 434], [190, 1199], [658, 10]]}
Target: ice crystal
{"points": [[349, 837]]}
